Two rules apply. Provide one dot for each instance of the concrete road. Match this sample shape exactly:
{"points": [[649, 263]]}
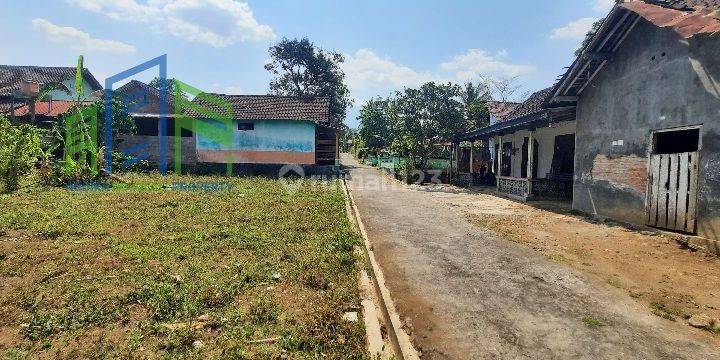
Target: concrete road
{"points": [[466, 294]]}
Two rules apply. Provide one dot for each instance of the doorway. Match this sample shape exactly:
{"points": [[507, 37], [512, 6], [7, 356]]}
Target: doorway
{"points": [[672, 179]]}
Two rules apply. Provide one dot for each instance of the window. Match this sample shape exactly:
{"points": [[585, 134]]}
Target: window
{"points": [[246, 126], [674, 142]]}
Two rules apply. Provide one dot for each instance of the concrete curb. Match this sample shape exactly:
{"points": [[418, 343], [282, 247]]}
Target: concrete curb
{"points": [[399, 339]]}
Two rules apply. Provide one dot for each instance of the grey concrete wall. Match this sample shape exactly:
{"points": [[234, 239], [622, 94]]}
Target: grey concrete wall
{"points": [[655, 80]]}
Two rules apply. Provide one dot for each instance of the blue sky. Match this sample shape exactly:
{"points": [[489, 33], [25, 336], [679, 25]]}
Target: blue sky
{"points": [[221, 45]]}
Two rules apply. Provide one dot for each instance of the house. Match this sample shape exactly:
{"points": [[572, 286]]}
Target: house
{"points": [[536, 147], [631, 130], [647, 92], [497, 111], [46, 111], [260, 132], [142, 103], [268, 129], [20, 84], [500, 110]]}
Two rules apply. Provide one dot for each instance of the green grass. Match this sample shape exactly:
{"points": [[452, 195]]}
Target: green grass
{"points": [[126, 273], [667, 312], [614, 282], [592, 321]]}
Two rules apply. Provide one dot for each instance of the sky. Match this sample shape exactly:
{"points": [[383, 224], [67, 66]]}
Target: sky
{"points": [[221, 46]]}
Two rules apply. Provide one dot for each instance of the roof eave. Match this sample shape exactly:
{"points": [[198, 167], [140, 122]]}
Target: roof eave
{"points": [[612, 23]]}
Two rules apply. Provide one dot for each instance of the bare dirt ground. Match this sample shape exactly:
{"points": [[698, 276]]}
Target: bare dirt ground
{"points": [[467, 292], [670, 280]]}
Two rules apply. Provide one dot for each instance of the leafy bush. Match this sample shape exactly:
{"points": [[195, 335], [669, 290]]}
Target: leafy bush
{"points": [[122, 162], [19, 151], [60, 173]]}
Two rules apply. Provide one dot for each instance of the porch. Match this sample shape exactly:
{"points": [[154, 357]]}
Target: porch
{"points": [[528, 158]]}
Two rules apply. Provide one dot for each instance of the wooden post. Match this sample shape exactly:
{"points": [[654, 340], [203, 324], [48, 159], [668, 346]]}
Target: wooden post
{"points": [[337, 147], [531, 150], [500, 155], [472, 149], [452, 159], [530, 165]]}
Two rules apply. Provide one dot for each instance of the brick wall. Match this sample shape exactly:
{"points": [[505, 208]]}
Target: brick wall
{"points": [[625, 171]]}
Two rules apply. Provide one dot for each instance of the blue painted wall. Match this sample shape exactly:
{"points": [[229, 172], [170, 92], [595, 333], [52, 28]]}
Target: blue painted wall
{"points": [[268, 135], [70, 84]]}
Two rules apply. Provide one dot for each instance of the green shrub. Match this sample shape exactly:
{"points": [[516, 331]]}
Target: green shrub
{"points": [[127, 163], [19, 151]]}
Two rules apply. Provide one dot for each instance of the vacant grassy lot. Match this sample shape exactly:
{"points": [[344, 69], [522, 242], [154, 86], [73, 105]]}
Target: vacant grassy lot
{"points": [[148, 271]]}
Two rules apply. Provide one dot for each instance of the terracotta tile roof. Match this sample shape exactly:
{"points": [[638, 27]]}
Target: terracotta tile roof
{"points": [[45, 108], [142, 98], [532, 105], [5, 107], [687, 18], [686, 4], [11, 76], [267, 107], [501, 109]]}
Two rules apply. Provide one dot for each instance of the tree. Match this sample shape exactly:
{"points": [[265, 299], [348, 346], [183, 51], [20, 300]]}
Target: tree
{"points": [[503, 88], [374, 125], [424, 118], [301, 69], [589, 36], [473, 99], [172, 88]]}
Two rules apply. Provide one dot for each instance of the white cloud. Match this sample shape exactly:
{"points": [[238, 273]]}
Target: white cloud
{"points": [[367, 70], [228, 90], [369, 75], [219, 23], [575, 30], [476, 63], [603, 6], [80, 40]]}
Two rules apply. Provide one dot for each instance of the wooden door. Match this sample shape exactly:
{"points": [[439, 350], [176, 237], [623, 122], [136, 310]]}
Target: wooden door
{"points": [[672, 191]]}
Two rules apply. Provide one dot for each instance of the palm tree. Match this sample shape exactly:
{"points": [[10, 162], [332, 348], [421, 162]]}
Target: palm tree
{"points": [[474, 110]]}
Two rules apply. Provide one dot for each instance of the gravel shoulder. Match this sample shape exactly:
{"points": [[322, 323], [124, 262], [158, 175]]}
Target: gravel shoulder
{"points": [[468, 294]]}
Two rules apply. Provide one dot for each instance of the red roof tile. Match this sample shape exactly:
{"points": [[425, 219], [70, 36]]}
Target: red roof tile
{"points": [[266, 107], [46, 108]]}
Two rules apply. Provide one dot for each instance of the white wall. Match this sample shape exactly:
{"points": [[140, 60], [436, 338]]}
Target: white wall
{"points": [[546, 146]]}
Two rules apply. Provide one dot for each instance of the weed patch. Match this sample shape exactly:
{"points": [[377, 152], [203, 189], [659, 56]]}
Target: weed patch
{"points": [[143, 270], [592, 321]]}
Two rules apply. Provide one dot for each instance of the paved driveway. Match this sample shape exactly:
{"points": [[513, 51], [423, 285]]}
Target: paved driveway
{"points": [[466, 294]]}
